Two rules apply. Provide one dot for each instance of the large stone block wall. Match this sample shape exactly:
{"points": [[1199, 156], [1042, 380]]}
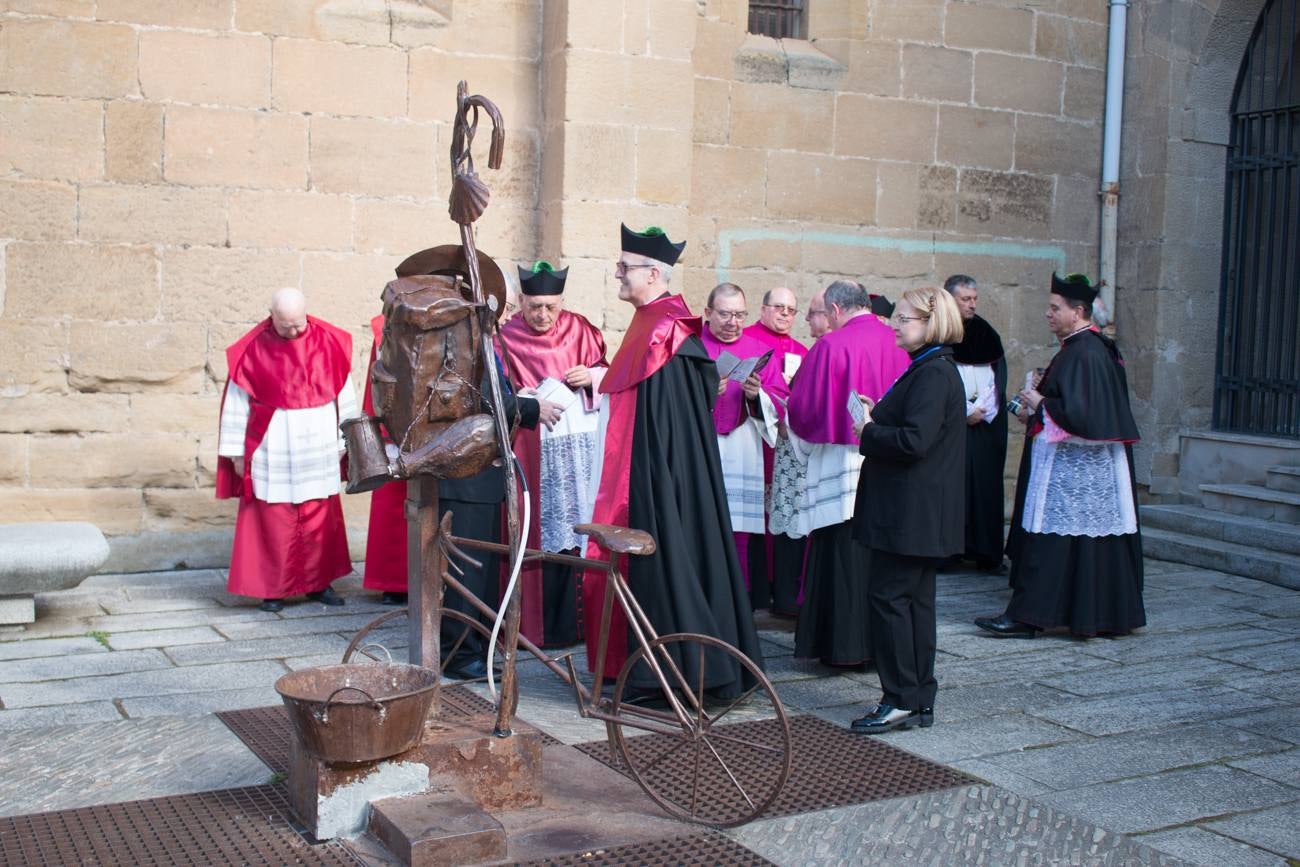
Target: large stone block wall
{"points": [[164, 166]]}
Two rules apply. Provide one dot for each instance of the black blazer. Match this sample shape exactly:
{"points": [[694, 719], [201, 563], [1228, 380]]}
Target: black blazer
{"points": [[489, 486], [912, 490]]}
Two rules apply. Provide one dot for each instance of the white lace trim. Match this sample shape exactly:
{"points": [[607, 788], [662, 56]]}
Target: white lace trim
{"points": [[789, 471], [1079, 487], [566, 497]]}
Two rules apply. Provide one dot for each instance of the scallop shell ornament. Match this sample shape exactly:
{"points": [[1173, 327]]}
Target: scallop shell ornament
{"points": [[469, 197]]}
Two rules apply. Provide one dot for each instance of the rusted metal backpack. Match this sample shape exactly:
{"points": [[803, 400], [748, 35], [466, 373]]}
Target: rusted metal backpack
{"points": [[427, 375]]}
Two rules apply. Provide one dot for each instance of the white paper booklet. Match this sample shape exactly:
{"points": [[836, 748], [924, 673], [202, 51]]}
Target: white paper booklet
{"points": [[556, 392]]}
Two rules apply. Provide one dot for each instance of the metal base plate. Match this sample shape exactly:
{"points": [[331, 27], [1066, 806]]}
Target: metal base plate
{"points": [[832, 767]]}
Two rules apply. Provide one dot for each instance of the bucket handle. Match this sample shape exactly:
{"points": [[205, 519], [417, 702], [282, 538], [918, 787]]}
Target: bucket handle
{"points": [[323, 715], [376, 646]]}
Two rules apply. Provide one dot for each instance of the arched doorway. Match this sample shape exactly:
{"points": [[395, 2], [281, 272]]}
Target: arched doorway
{"points": [[1257, 383]]}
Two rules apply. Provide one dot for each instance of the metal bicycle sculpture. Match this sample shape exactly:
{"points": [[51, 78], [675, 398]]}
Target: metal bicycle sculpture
{"points": [[688, 758]]}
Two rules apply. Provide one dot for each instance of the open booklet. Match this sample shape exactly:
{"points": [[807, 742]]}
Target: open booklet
{"points": [[739, 369], [556, 392], [856, 409]]}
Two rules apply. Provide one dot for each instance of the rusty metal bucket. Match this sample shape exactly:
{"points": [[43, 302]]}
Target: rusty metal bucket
{"points": [[367, 461], [358, 713]]}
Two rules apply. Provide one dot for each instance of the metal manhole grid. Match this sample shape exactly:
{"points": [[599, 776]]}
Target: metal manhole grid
{"points": [[708, 849], [832, 768], [231, 826]]}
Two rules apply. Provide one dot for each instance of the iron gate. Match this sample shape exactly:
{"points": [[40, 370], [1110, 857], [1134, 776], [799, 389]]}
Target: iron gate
{"points": [[1257, 382]]}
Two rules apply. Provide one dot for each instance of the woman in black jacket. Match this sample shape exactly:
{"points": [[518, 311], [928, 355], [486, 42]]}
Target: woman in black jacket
{"points": [[910, 509]]}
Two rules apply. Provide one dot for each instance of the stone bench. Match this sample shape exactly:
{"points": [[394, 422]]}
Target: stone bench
{"points": [[40, 558]]}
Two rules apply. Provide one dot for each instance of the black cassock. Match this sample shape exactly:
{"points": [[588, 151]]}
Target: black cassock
{"points": [[986, 449], [692, 583], [1092, 585]]}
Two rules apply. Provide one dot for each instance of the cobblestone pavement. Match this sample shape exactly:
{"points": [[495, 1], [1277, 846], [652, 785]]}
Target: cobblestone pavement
{"points": [[1179, 742]]}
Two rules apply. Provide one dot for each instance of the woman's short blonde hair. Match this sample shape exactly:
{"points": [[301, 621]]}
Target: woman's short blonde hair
{"points": [[943, 318]]}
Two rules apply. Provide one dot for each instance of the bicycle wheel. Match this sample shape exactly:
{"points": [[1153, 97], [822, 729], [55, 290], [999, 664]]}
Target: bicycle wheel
{"points": [[729, 760], [358, 647]]}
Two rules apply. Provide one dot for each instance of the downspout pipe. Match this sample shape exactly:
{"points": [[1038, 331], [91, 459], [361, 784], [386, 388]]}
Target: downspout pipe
{"points": [[1110, 152]]}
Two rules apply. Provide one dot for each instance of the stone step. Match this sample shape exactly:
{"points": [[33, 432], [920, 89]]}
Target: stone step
{"points": [[1253, 501], [1207, 524], [1284, 479], [437, 829], [1270, 566]]}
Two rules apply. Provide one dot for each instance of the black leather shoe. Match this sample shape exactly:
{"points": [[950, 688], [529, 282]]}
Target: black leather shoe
{"points": [[649, 698], [885, 718], [1004, 627], [393, 599], [466, 667], [272, 605], [926, 715], [326, 597]]}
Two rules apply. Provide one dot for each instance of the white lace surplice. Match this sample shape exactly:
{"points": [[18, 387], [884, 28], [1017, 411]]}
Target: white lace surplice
{"points": [[298, 458], [1078, 487], [785, 495], [569, 461], [741, 452]]}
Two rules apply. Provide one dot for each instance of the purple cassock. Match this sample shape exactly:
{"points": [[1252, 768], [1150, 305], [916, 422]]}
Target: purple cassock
{"points": [[861, 355], [743, 427]]}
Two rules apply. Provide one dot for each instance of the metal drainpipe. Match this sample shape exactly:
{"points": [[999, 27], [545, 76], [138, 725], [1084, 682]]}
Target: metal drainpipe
{"points": [[1110, 153]]}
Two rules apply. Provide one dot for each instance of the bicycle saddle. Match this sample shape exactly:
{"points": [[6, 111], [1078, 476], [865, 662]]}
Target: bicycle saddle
{"points": [[620, 540]]}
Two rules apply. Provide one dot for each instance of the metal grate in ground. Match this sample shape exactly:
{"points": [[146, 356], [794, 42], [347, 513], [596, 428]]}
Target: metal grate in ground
{"points": [[832, 767], [698, 850], [266, 730], [252, 825]]}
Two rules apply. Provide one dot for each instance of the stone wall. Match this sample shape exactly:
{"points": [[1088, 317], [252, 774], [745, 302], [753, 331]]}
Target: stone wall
{"points": [[166, 165]]}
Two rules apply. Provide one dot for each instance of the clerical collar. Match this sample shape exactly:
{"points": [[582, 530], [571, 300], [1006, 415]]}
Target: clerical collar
{"points": [[1087, 327]]}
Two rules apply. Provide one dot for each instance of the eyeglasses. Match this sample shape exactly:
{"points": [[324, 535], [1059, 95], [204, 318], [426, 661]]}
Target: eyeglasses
{"points": [[903, 320], [734, 315], [785, 309], [624, 267]]}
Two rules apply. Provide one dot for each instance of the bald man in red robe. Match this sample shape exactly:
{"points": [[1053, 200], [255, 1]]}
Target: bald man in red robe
{"points": [[279, 452], [560, 356]]}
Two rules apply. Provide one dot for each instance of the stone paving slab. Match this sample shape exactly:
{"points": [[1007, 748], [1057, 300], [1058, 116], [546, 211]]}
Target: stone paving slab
{"points": [[178, 602], [1276, 830], [10, 650], [272, 626], [1206, 847], [1138, 647], [13, 719], [1173, 798], [121, 761], [1281, 767], [259, 648], [1032, 665], [1282, 723], [198, 703], [1112, 715], [969, 825], [51, 668], [163, 681], [950, 742], [1282, 655], [195, 617], [1085, 763], [827, 692], [984, 769], [164, 637], [1148, 677], [960, 703]]}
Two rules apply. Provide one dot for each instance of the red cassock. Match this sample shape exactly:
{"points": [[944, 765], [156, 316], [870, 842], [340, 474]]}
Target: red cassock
{"points": [[532, 357], [386, 536], [657, 331], [284, 549]]}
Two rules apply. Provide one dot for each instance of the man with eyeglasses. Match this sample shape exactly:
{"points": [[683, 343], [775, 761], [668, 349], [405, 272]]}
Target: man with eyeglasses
{"points": [[745, 418], [818, 324], [860, 355], [783, 554], [661, 473]]}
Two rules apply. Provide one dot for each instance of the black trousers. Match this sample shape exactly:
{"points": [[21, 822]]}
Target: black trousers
{"points": [[480, 521], [787, 573], [900, 600]]}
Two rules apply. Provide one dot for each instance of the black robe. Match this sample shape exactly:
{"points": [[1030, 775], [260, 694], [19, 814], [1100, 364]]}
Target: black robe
{"points": [[1092, 585], [986, 449], [692, 583]]}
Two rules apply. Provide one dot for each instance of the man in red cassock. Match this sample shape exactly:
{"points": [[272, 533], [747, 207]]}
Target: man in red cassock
{"points": [[745, 417], [385, 569], [661, 473], [279, 452], [557, 355], [783, 553]]}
